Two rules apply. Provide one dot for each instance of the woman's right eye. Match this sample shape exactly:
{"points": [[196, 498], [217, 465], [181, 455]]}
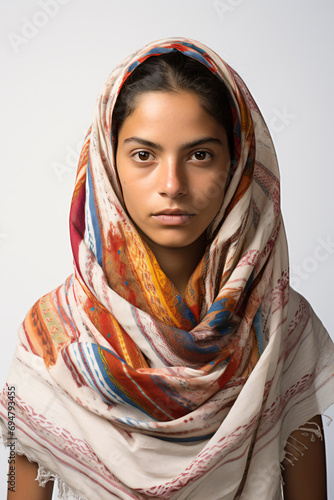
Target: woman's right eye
{"points": [[142, 156]]}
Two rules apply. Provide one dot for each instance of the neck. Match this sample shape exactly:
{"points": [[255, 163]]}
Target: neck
{"points": [[178, 263]]}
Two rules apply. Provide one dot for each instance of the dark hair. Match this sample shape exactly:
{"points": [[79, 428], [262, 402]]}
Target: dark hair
{"points": [[173, 72]]}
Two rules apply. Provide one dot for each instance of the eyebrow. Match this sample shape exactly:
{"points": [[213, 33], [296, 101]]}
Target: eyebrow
{"points": [[187, 145]]}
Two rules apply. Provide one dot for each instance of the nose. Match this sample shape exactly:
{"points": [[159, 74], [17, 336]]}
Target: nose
{"points": [[172, 178]]}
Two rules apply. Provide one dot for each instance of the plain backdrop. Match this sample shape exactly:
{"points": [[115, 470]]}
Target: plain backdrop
{"points": [[56, 55]]}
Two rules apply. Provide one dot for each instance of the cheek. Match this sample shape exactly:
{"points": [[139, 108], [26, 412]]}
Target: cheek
{"points": [[124, 185], [136, 182], [135, 194], [127, 193], [125, 178], [209, 194]]}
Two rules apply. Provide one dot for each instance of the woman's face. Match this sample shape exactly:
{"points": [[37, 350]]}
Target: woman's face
{"points": [[172, 161]]}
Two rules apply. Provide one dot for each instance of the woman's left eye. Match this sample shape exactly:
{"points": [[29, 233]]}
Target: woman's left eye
{"points": [[201, 155]]}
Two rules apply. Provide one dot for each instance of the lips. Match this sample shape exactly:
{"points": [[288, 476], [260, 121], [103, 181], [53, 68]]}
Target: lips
{"points": [[173, 217], [173, 211]]}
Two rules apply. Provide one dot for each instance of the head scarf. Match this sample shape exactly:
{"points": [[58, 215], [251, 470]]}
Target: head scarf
{"points": [[125, 390]]}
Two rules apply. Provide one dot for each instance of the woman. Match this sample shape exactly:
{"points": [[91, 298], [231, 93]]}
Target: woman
{"points": [[176, 362]]}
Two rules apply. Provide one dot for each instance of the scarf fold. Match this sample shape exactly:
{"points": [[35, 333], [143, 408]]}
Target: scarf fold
{"points": [[126, 390]]}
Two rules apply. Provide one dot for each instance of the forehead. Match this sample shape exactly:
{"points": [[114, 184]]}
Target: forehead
{"points": [[170, 114]]}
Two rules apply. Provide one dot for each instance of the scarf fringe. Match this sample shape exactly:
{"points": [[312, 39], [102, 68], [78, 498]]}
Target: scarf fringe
{"points": [[43, 475], [309, 429]]}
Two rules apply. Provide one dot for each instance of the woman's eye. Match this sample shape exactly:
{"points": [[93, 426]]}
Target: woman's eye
{"points": [[201, 155], [143, 156]]}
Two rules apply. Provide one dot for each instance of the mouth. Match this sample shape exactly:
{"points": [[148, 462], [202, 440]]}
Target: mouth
{"points": [[173, 211], [173, 217]]}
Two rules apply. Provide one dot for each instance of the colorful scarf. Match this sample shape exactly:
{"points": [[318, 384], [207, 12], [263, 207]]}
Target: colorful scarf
{"points": [[122, 389]]}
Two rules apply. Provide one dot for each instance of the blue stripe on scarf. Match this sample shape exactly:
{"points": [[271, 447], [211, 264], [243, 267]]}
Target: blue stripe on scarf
{"points": [[97, 376], [194, 53], [221, 321], [96, 228], [258, 328]]}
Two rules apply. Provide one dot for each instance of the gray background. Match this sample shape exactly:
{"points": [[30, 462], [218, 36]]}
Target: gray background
{"points": [[53, 66]]}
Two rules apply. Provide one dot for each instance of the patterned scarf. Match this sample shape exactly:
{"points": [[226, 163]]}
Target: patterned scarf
{"points": [[123, 389]]}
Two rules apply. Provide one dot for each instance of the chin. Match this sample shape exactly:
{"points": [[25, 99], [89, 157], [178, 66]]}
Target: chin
{"points": [[175, 244]]}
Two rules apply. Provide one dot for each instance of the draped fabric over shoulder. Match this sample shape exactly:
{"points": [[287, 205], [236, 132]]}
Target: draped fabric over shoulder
{"points": [[123, 389]]}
